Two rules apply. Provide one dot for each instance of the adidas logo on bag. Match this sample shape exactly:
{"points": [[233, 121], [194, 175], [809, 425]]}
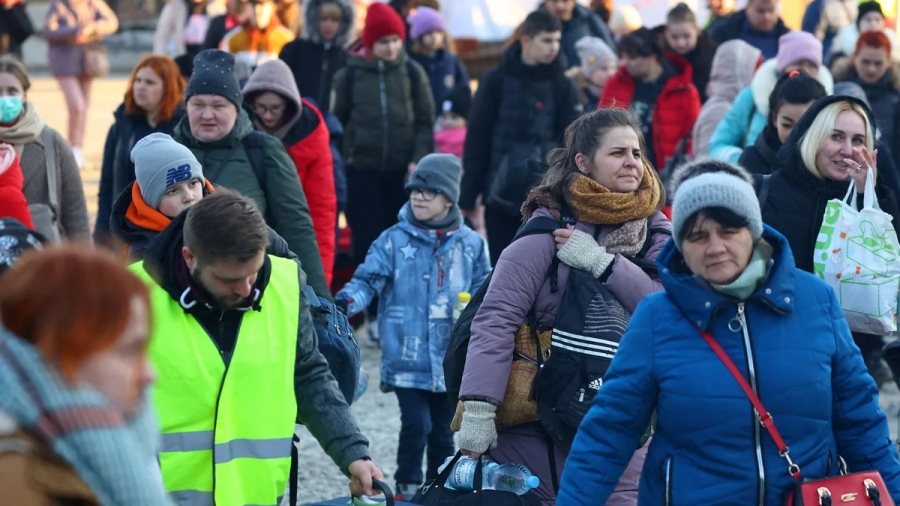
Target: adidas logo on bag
{"points": [[596, 384]]}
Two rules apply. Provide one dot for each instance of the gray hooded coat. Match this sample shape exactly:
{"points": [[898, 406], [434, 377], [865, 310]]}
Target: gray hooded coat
{"points": [[314, 61], [733, 68]]}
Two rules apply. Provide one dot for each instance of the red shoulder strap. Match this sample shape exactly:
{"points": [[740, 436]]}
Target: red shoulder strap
{"points": [[765, 418]]}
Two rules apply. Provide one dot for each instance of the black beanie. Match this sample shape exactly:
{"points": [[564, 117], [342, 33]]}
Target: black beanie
{"points": [[16, 239], [214, 75], [458, 101], [867, 7]]}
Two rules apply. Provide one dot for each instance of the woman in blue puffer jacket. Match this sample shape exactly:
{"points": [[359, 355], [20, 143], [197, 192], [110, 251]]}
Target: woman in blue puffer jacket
{"points": [[730, 275]]}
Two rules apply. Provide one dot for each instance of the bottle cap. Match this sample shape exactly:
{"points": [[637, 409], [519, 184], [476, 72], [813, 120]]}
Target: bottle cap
{"points": [[532, 482], [464, 297]]}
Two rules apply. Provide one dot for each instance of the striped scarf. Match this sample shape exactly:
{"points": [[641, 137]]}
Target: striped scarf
{"points": [[115, 457]]}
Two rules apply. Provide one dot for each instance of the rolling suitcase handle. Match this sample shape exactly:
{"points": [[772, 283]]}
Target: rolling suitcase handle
{"points": [[385, 489]]}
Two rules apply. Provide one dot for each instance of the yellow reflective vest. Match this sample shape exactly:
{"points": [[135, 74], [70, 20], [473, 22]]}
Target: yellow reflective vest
{"points": [[227, 431]]}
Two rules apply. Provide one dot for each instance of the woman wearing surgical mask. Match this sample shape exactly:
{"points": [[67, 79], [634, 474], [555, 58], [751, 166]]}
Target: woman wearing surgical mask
{"points": [[21, 126]]}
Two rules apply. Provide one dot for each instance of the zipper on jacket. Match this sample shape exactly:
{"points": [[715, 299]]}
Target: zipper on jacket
{"points": [[757, 428], [384, 114], [668, 498]]}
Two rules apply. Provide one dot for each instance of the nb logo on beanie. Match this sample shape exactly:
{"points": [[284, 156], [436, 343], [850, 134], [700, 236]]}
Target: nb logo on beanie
{"points": [[178, 174]]}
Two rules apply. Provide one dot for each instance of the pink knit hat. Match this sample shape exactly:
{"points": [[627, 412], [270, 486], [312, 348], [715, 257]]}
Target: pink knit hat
{"points": [[797, 46]]}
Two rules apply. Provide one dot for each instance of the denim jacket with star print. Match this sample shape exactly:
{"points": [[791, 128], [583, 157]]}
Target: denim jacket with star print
{"points": [[417, 275]]}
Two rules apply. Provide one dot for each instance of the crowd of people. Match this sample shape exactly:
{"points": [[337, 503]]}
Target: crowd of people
{"points": [[617, 203]]}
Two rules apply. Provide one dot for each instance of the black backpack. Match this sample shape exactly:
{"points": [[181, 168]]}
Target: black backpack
{"points": [[455, 358], [589, 324], [586, 332]]}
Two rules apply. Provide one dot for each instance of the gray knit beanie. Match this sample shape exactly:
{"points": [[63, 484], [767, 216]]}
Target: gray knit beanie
{"points": [[160, 163], [707, 183], [439, 172]]}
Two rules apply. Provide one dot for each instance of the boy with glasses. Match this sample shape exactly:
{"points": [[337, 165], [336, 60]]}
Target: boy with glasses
{"points": [[417, 268]]}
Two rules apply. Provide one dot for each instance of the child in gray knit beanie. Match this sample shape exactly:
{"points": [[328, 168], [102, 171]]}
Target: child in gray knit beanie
{"points": [[168, 174]]}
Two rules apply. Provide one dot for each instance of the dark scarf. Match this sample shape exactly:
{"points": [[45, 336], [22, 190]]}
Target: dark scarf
{"points": [[451, 222]]}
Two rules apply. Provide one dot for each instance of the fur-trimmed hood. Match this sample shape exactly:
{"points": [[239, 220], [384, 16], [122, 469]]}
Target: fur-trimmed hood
{"points": [[766, 77], [311, 21], [845, 41]]}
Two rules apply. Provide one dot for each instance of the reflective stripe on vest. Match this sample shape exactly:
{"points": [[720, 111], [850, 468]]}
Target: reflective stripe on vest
{"points": [[227, 434]]}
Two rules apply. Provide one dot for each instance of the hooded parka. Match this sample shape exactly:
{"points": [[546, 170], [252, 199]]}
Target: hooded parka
{"points": [[314, 61], [305, 136]]}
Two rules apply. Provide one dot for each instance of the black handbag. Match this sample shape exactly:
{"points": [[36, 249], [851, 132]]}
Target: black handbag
{"points": [[434, 493]]}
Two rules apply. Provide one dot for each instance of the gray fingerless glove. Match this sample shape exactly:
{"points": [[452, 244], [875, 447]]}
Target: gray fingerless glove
{"points": [[581, 251], [478, 430]]}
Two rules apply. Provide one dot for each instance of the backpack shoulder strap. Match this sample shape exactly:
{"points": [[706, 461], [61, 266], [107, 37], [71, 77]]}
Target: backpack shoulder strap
{"points": [[52, 169], [413, 73], [764, 186], [349, 73], [254, 145]]}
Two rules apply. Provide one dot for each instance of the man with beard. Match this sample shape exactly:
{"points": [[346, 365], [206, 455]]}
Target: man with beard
{"points": [[235, 352]]}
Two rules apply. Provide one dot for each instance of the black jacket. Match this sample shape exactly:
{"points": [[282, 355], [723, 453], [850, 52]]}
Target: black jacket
{"points": [[117, 170], [701, 58], [762, 157], [884, 99], [502, 112], [320, 404], [216, 32], [314, 65], [314, 61], [15, 28], [729, 28], [796, 201]]}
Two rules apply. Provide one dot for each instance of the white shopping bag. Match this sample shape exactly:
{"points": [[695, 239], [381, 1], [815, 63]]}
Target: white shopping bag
{"points": [[856, 254]]}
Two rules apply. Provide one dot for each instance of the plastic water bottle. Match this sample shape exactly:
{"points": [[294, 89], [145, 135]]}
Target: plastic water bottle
{"points": [[462, 300], [513, 478], [362, 383]]}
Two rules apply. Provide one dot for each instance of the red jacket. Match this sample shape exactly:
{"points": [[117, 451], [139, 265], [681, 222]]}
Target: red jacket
{"points": [[12, 201], [308, 145], [675, 110]]}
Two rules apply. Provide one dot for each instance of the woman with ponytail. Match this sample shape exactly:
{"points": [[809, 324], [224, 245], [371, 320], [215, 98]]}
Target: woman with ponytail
{"points": [[606, 198]]}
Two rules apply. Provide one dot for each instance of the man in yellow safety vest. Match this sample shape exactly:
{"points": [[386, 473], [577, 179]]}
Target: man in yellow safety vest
{"points": [[235, 353]]}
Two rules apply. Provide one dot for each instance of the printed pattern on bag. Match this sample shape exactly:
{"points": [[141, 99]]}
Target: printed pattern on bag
{"points": [[586, 334], [856, 254]]}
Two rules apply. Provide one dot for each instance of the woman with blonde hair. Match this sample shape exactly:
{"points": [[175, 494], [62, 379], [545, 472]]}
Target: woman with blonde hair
{"points": [[831, 144], [153, 103], [74, 427]]}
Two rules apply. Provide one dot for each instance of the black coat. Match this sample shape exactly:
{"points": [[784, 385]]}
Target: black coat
{"points": [[701, 58], [762, 157], [314, 65], [729, 27], [15, 28], [510, 101], [795, 205], [117, 170]]}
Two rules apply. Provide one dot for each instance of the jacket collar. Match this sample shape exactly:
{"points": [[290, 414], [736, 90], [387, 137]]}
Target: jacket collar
{"points": [[699, 302]]}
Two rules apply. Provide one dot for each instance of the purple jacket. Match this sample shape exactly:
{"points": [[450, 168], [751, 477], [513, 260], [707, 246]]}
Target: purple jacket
{"points": [[520, 282], [63, 22]]}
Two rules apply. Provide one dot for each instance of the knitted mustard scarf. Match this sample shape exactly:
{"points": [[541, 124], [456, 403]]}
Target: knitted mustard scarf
{"points": [[593, 203]]}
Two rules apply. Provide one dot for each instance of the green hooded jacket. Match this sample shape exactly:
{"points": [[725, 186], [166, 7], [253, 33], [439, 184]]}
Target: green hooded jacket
{"points": [[282, 201], [386, 124]]}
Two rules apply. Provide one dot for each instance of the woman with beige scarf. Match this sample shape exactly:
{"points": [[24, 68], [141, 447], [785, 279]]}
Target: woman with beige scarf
{"points": [[21, 126], [602, 181]]}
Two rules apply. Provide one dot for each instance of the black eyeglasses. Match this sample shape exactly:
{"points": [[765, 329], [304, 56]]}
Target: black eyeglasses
{"points": [[421, 193]]}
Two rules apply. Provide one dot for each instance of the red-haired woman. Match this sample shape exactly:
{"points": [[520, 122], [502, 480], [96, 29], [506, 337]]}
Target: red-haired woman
{"points": [[74, 428], [153, 103], [872, 67]]}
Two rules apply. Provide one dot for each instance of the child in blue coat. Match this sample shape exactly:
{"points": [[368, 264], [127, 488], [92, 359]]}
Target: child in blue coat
{"points": [[429, 46], [417, 268]]}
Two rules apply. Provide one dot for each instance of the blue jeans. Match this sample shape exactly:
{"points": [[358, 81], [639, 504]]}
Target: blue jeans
{"points": [[424, 421]]}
